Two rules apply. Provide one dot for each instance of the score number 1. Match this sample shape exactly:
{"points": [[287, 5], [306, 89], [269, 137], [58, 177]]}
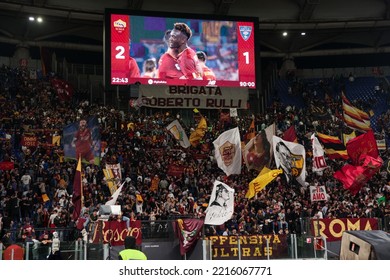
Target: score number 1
{"points": [[246, 54]]}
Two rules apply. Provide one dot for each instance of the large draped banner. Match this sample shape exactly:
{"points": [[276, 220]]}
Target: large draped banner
{"points": [[82, 138], [7, 165], [115, 232], [332, 229], [193, 97], [249, 247], [175, 170]]}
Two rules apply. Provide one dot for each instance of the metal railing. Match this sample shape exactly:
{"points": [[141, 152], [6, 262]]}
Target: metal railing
{"points": [[301, 245]]}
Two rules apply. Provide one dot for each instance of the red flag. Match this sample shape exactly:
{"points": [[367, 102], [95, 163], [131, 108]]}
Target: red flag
{"points": [[63, 89], [290, 135], [354, 177], [362, 144], [188, 233], [77, 192], [224, 117], [6, 165]]}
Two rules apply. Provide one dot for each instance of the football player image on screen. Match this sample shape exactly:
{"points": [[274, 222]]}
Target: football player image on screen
{"points": [[180, 61]]}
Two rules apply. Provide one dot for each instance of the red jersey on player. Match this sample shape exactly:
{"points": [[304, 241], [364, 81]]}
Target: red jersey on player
{"points": [[184, 66], [133, 68], [208, 74], [83, 142]]}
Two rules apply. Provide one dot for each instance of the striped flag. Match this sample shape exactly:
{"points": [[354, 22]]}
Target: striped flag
{"points": [[333, 146], [354, 117]]}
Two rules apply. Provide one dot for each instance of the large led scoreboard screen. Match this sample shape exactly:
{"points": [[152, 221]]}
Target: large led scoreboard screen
{"points": [[157, 49]]}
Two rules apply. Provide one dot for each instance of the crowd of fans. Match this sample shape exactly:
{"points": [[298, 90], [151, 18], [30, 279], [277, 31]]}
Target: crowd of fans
{"points": [[145, 150]]}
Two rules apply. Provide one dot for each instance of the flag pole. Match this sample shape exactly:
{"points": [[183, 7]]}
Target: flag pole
{"points": [[81, 182]]}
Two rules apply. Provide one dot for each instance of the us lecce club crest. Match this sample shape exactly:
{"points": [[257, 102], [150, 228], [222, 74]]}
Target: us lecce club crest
{"points": [[245, 32]]}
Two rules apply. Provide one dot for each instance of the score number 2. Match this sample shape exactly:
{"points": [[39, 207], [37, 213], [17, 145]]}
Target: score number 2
{"points": [[120, 53]]}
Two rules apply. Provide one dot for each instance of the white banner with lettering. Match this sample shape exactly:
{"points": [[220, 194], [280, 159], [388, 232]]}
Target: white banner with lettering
{"points": [[193, 97], [318, 193]]}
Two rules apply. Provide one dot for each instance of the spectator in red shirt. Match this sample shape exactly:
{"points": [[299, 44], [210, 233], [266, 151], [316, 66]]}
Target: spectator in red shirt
{"points": [[180, 61]]}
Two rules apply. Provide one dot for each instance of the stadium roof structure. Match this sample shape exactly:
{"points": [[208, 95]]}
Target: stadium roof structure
{"points": [[332, 27]]}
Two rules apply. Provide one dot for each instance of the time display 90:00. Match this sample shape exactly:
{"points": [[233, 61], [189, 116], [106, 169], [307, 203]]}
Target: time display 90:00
{"points": [[247, 84]]}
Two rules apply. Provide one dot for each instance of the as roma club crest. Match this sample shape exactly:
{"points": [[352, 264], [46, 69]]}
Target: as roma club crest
{"points": [[228, 152]]}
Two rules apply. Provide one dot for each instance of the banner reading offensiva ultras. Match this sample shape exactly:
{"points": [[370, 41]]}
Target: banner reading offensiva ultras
{"points": [[193, 97], [249, 247]]}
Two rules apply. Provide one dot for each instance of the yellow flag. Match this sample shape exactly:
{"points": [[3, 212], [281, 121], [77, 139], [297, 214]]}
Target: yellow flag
{"points": [[347, 137], [108, 174], [56, 140], [199, 132], [196, 110], [45, 197], [139, 198], [265, 177], [154, 184]]}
